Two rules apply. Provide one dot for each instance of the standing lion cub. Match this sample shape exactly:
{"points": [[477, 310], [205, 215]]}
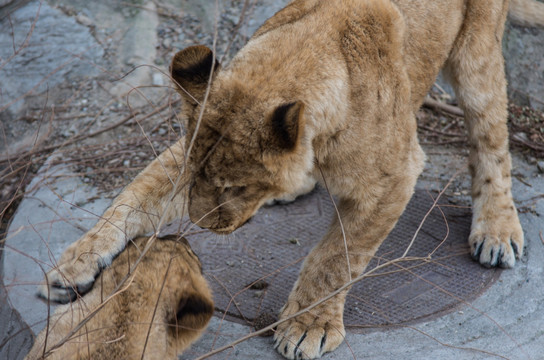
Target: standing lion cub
{"points": [[324, 90]]}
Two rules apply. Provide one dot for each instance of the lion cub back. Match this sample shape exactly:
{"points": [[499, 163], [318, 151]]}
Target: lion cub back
{"points": [[159, 311]]}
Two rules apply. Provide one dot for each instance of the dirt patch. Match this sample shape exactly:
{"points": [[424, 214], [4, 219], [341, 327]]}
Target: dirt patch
{"points": [[525, 124]]}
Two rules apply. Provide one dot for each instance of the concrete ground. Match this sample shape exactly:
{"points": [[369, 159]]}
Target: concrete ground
{"points": [[504, 322]]}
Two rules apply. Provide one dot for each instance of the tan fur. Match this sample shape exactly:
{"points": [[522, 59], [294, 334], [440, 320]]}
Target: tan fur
{"points": [[527, 12], [324, 89], [166, 290]]}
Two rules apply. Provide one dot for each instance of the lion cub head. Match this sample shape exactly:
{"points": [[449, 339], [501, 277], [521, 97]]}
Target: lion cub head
{"points": [[162, 308], [246, 143]]}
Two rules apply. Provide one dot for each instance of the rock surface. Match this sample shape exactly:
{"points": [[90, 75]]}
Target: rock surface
{"points": [[523, 50], [6, 2], [46, 58]]}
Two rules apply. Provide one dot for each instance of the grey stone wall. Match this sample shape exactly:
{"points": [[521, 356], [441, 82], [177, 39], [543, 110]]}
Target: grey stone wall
{"points": [[523, 50]]}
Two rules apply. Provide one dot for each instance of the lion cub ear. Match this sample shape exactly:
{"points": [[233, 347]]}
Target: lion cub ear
{"points": [[190, 69], [194, 311], [285, 126]]}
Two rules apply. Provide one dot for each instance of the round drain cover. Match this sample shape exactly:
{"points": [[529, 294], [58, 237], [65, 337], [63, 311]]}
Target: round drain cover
{"points": [[253, 270]]}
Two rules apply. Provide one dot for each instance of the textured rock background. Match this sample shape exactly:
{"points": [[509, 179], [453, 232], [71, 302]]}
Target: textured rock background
{"points": [[523, 50], [50, 58], [6, 2]]}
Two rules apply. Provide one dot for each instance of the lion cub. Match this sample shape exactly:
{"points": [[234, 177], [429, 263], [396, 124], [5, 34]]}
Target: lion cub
{"points": [[159, 311]]}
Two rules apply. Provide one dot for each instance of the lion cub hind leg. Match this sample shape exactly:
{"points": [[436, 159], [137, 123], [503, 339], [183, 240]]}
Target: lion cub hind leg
{"points": [[476, 70]]}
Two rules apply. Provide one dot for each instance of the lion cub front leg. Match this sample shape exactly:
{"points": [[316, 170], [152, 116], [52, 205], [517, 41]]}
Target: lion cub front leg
{"points": [[142, 205], [477, 72], [366, 222]]}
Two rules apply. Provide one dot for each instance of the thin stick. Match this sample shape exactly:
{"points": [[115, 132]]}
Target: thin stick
{"points": [[156, 306], [429, 212], [339, 220], [433, 104]]}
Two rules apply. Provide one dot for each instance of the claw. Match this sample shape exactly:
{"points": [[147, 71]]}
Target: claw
{"points": [[476, 253], [58, 294], [83, 289], [70, 295], [516, 249], [322, 345], [489, 263], [500, 253], [297, 351], [500, 256]]}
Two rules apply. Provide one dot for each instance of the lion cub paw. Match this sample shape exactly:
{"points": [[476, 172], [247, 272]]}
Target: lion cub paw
{"points": [[64, 283], [309, 335], [497, 243], [75, 275]]}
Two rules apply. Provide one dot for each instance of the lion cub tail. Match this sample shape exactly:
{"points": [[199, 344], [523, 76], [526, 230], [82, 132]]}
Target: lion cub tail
{"points": [[527, 12]]}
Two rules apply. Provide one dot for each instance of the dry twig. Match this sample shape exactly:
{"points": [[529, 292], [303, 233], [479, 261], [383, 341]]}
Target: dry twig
{"points": [[437, 105]]}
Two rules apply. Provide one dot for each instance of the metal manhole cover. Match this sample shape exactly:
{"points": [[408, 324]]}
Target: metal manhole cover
{"points": [[273, 245]]}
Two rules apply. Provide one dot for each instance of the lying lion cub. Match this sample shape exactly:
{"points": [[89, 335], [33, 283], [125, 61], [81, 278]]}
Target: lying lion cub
{"points": [[324, 90], [167, 290]]}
